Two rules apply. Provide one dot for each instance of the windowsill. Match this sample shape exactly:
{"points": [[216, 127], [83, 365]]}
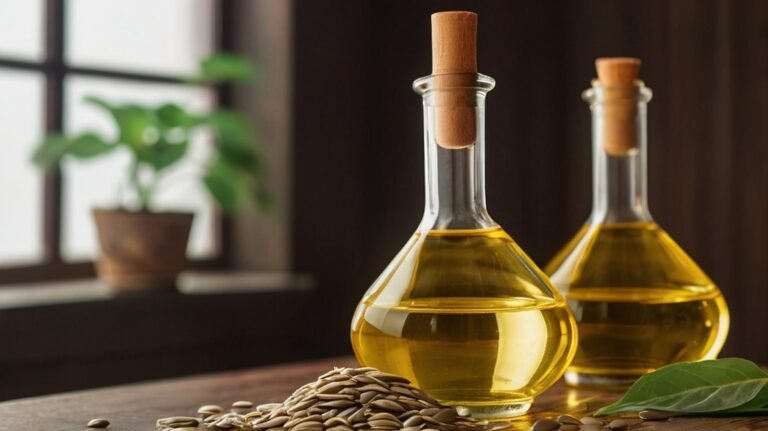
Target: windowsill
{"points": [[191, 283], [74, 335]]}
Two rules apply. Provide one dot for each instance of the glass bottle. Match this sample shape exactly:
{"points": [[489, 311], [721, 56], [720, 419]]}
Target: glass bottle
{"points": [[639, 300], [461, 310]]}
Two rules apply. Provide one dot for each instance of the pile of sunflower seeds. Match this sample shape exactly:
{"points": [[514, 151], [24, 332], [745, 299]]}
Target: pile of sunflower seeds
{"points": [[343, 399]]}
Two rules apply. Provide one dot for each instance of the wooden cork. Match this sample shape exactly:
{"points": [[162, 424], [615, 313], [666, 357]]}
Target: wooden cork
{"points": [[618, 76], [454, 52]]}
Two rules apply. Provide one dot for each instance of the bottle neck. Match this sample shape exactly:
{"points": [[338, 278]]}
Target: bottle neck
{"points": [[454, 177], [620, 192]]}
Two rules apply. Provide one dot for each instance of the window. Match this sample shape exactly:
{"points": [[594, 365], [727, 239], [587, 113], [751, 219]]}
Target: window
{"points": [[52, 54]]}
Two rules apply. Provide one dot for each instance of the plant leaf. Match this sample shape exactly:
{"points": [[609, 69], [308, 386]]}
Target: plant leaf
{"points": [[224, 67], [51, 149], [225, 185], [162, 154], [693, 387], [132, 120], [89, 145], [234, 143], [83, 146]]}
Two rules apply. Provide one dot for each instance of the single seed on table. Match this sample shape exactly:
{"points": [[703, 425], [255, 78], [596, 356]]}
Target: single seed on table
{"points": [[565, 419], [545, 425], [242, 404], [569, 427], [98, 423], [655, 415], [618, 424]]}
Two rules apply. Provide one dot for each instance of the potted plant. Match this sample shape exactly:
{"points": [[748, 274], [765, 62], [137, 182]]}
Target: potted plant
{"points": [[142, 248]]}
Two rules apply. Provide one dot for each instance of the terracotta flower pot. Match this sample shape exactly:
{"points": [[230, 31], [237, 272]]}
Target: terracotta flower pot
{"points": [[141, 250]]}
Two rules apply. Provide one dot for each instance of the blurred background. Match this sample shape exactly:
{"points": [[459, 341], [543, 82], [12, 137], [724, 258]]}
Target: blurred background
{"points": [[340, 132]]}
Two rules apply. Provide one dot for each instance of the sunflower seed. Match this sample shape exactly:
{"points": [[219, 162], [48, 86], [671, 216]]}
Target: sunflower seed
{"points": [[618, 425], [384, 416], [272, 423], [445, 416], [388, 405], [569, 420], [545, 425], [98, 423], [413, 421], [242, 405]]}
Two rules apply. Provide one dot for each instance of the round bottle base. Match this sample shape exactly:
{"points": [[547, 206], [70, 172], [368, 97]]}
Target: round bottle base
{"points": [[500, 411], [574, 378]]}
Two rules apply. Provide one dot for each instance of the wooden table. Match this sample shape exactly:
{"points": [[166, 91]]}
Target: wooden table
{"points": [[136, 407]]}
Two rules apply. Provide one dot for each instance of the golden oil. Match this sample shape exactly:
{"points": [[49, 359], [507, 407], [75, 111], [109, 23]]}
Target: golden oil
{"points": [[469, 319], [640, 303]]}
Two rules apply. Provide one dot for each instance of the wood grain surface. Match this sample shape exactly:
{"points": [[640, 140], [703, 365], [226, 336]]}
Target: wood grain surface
{"points": [[137, 407]]}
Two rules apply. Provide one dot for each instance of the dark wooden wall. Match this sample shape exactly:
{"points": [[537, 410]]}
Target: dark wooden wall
{"points": [[358, 190]]}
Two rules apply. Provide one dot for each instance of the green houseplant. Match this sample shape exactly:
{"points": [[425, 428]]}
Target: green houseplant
{"points": [[142, 248]]}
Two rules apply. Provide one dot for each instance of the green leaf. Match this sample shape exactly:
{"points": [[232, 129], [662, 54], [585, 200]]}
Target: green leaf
{"points": [[172, 115], [233, 136], [133, 121], [162, 154], [224, 184], [224, 67], [694, 388], [51, 149], [89, 145], [83, 146]]}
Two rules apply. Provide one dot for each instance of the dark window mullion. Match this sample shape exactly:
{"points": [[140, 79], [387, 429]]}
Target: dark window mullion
{"points": [[54, 119]]}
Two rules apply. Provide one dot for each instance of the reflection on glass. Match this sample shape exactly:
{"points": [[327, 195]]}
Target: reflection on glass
{"points": [[21, 97], [97, 182], [168, 36], [21, 29]]}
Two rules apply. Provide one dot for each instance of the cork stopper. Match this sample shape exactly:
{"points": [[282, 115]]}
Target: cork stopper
{"points": [[618, 76], [454, 52]]}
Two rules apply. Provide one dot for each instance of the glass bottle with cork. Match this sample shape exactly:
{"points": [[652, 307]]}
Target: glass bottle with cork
{"points": [[639, 300], [461, 310]]}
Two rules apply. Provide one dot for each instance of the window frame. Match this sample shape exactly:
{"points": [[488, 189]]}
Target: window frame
{"points": [[54, 68]]}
